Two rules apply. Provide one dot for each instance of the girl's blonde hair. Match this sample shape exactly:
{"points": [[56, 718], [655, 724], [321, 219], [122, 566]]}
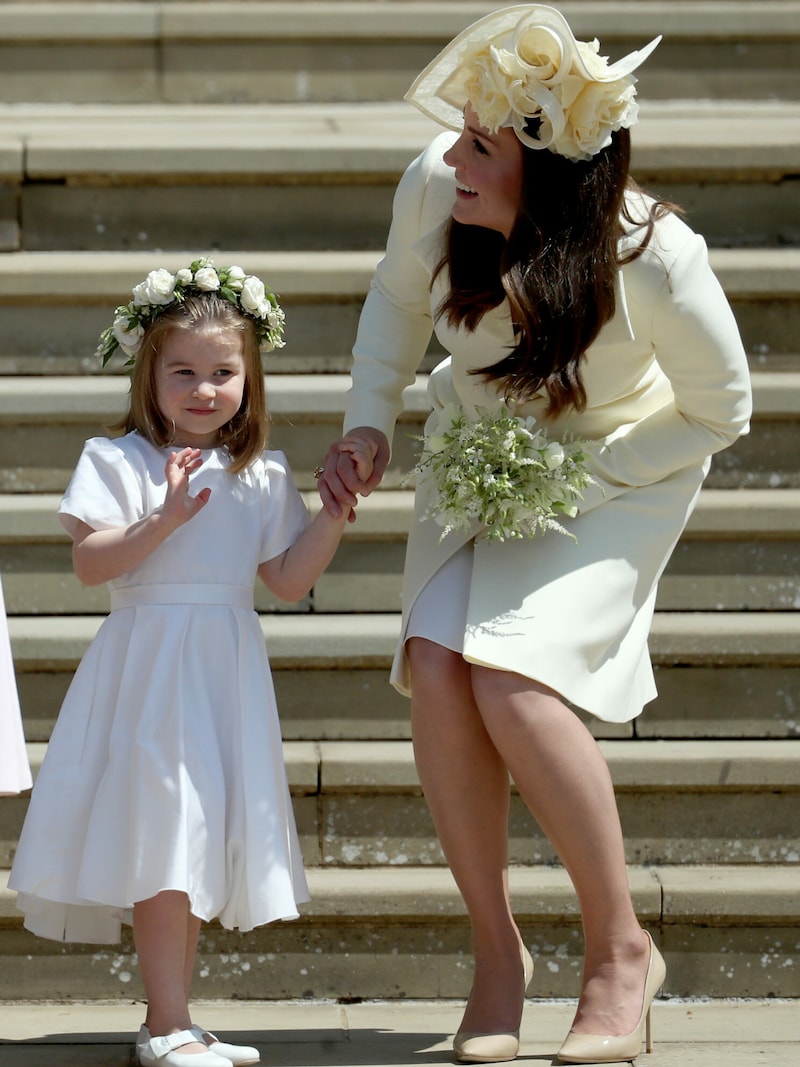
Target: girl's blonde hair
{"points": [[246, 435]]}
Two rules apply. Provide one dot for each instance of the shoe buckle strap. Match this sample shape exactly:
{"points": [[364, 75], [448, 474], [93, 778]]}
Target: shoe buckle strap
{"points": [[162, 1045]]}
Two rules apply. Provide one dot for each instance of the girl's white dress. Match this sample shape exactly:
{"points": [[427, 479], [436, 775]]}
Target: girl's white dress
{"points": [[165, 767], [15, 774]]}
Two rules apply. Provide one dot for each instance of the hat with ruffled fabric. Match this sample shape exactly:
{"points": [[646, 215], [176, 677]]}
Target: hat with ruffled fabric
{"points": [[522, 67]]}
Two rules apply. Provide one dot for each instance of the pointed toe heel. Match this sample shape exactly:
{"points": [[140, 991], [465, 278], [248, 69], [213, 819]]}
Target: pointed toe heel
{"points": [[599, 1048], [471, 1047]]}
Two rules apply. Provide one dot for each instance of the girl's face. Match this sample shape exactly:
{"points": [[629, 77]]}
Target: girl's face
{"points": [[488, 170], [200, 378]]}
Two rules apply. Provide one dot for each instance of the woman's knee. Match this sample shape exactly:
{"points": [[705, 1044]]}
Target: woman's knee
{"points": [[432, 663]]}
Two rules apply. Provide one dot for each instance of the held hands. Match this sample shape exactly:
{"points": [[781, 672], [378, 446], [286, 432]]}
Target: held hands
{"points": [[179, 506], [354, 466]]}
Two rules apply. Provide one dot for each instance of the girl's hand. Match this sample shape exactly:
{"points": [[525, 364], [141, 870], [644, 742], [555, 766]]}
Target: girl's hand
{"points": [[354, 466], [178, 505]]}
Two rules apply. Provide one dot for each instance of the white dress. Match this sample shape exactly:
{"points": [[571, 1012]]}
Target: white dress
{"points": [[165, 768], [15, 774]]}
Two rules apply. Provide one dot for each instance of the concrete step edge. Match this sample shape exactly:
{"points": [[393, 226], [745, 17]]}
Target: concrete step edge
{"points": [[108, 277], [736, 895], [298, 398], [696, 148], [357, 642], [720, 514], [204, 20], [382, 767]]}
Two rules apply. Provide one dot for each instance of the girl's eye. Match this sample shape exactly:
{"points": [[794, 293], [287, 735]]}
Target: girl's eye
{"points": [[480, 147]]}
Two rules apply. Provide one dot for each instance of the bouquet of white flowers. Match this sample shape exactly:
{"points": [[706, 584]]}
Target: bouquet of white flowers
{"points": [[501, 473]]}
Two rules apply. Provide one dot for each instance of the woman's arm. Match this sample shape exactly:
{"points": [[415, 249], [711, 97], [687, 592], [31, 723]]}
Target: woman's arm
{"points": [[697, 344], [100, 555], [394, 327]]}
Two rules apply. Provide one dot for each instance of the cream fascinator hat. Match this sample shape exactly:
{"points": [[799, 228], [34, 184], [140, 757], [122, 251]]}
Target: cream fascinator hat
{"points": [[523, 63]]}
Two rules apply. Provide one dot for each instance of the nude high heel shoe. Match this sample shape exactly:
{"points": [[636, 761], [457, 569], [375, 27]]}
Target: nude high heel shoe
{"points": [[471, 1047], [596, 1048]]}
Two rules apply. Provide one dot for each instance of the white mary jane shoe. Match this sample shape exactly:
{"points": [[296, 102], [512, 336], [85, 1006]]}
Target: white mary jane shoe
{"points": [[239, 1055], [164, 1051]]}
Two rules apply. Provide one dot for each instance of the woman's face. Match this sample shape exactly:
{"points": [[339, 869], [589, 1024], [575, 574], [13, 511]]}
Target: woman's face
{"points": [[488, 170]]}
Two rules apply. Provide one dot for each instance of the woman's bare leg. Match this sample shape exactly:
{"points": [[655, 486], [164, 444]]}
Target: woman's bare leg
{"points": [[165, 934], [565, 782], [467, 788]]}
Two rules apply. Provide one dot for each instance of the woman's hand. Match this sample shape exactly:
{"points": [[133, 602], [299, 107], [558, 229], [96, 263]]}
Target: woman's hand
{"points": [[353, 467]]}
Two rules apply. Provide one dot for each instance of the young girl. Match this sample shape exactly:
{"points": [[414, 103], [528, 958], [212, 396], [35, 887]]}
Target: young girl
{"points": [[163, 798]]}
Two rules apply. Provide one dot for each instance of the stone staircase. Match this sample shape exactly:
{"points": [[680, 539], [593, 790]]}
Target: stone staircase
{"points": [[143, 133]]}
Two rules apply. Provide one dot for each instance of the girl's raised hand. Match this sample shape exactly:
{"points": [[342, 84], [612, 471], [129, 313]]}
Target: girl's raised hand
{"points": [[179, 505]]}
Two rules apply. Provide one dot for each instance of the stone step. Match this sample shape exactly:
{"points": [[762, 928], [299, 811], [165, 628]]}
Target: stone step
{"points": [[322, 176], [390, 932], [52, 416], [317, 51], [359, 804], [697, 1031], [719, 674], [322, 293], [738, 553]]}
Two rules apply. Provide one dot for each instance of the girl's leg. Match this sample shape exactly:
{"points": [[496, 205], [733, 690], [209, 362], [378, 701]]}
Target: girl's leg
{"points": [[565, 782], [165, 934], [192, 937], [467, 788]]}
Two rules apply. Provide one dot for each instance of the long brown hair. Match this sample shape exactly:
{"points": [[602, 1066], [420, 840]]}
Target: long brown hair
{"points": [[246, 434], [557, 269]]}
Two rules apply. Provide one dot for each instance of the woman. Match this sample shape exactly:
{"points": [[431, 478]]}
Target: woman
{"points": [[561, 290]]}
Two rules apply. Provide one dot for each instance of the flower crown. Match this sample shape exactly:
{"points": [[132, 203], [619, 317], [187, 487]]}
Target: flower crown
{"points": [[161, 290], [522, 67]]}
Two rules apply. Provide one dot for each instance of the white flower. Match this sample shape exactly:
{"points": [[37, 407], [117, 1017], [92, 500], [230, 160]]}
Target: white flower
{"points": [[253, 295], [161, 289], [554, 455], [236, 277], [598, 110], [497, 477], [128, 337], [275, 317], [207, 279], [157, 288]]}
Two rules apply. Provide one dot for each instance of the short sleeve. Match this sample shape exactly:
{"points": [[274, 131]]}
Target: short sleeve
{"points": [[286, 516], [104, 491]]}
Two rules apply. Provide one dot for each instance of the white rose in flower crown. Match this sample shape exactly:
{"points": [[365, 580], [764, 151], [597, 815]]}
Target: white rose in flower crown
{"points": [[236, 277], [207, 279], [157, 288], [184, 276], [128, 337], [253, 295]]}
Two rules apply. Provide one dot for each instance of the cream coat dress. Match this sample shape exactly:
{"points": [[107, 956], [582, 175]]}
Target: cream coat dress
{"points": [[667, 385]]}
